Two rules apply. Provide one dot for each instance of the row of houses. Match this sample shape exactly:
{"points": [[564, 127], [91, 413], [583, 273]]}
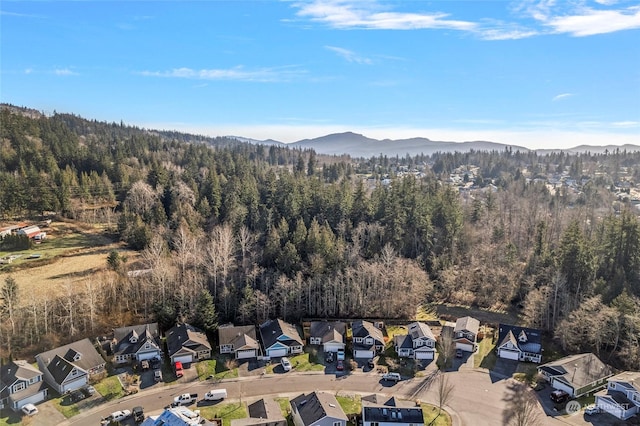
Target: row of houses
{"points": [[77, 364], [312, 409]]}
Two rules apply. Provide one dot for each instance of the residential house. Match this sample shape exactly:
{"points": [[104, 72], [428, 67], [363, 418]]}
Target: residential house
{"points": [[330, 334], [177, 416], [263, 412], [367, 339], [187, 344], [317, 409], [519, 343], [280, 338], [418, 343], [239, 340], [71, 366], [388, 411], [621, 398], [577, 374], [20, 384], [465, 334], [136, 343]]}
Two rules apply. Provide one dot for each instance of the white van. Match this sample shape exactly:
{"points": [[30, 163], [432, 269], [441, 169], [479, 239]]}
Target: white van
{"points": [[215, 395]]}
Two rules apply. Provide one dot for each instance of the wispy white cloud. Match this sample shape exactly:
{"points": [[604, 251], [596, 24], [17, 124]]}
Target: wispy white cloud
{"points": [[591, 21], [20, 15], [64, 71], [372, 15], [626, 124], [349, 55], [549, 17], [236, 73], [561, 96]]}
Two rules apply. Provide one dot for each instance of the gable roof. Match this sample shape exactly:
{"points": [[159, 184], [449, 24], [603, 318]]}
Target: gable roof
{"points": [[577, 370], [627, 377], [377, 408], [525, 339], [17, 370], [265, 408], [361, 328], [273, 331], [182, 335], [129, 340], [418, 330], [80, 354], [125, 332], [328, 330], [403, 341], [316, 406], [239, 335], [469, 324]]}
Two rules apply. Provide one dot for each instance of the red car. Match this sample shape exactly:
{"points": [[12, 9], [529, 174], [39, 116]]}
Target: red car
{"points": [[178, 369], [340, 365]]}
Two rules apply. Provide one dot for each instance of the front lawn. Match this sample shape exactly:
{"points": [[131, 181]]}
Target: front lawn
{"points": [[226, 412], [485, 357], [9, 417], [305, 362], [350, 404], [65, 406], [432, 418], [110, 388], [226, 368]]}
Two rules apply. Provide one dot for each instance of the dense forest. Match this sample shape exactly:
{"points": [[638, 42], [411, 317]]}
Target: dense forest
{"points": [[229, 231]]}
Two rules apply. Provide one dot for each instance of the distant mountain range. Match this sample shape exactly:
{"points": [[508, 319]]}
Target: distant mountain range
{"points": [[358, 145]]}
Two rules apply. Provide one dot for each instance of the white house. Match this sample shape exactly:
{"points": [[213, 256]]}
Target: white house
{"points": [[465, 334], [329, 334], [418, 343], [519, 343], [577, 374], [238, 340]]}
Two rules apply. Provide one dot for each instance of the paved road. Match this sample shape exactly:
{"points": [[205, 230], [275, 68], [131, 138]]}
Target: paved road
{"points": [[476, 400]]}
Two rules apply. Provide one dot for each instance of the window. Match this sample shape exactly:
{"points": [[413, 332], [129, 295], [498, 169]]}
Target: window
{"points": [[357, 339], [18, 387], [368, 341], [375, 424], [337, 423], [34, 380]]}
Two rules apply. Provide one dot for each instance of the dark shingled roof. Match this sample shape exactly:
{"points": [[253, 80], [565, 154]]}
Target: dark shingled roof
{"points": [[316, 406], [58, 360], [186, 335], [272, 329], [578, 370], [328, 331], [525, 339]]}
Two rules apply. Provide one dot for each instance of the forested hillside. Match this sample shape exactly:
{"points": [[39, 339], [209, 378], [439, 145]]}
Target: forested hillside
{"points": [[247, 232]]}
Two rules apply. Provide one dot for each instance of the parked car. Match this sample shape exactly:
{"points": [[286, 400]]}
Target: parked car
{"points": [[459, 353], [76, 395], [286, 364], [559, 396], [340, 365], [592, 409], [178, 367], [138, 414], [116, 416], [215, 395], [89, 390], [185, 399], [329, 357], [29, 409], [157, 375], [392, 377]]}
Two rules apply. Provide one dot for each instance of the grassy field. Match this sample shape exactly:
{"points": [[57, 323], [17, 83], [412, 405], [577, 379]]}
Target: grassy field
{"points": [[485, 357], [219, 368], [226, 412], [302, 362], [110, 388], [69, 255], [350, 404]]}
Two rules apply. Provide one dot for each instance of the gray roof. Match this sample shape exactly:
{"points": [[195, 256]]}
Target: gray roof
{"points": [[130, 339], [525, 339], [403, 341], [316, 406], [185, 335], [361, 328], [271, 330], [382, 409], [238, 336], [265, 408], [58, 360], [627, 378], [467, 324], [420, 329], [328, 330], [18, 370], [578, 370], [122, 332]]}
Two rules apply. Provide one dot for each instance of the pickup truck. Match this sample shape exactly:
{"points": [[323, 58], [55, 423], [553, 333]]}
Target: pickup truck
{"points": [[185, 399]]}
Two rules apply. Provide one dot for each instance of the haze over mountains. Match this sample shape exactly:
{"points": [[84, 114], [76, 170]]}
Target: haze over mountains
{"points": [[358, 145]]}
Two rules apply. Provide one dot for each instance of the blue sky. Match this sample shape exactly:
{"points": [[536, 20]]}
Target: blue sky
{"points": [[540, 73]]}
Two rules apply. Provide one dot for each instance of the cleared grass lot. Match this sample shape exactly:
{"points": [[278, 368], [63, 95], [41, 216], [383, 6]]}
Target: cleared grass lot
{"points": [[226, 412]]}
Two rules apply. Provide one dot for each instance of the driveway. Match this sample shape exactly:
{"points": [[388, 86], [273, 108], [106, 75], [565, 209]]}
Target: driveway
{"points": [[48, 415]]}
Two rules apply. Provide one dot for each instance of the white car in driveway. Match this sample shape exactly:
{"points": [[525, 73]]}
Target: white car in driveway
{"points": [[286, 364], [592, 409], [29, 409], [116, 416]]}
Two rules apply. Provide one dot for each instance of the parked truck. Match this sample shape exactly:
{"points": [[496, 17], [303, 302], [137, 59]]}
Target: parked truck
{"points": [[215, 395], [185, 399]]}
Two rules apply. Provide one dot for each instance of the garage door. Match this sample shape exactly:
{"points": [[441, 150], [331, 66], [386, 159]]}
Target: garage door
{"points": [[559, 385], [465, 347], [424, 355], [76, 384], [506, 354], [333, 347], [185, 359], [249, 353], [148, 355], [363, 354], [274, 353]]}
